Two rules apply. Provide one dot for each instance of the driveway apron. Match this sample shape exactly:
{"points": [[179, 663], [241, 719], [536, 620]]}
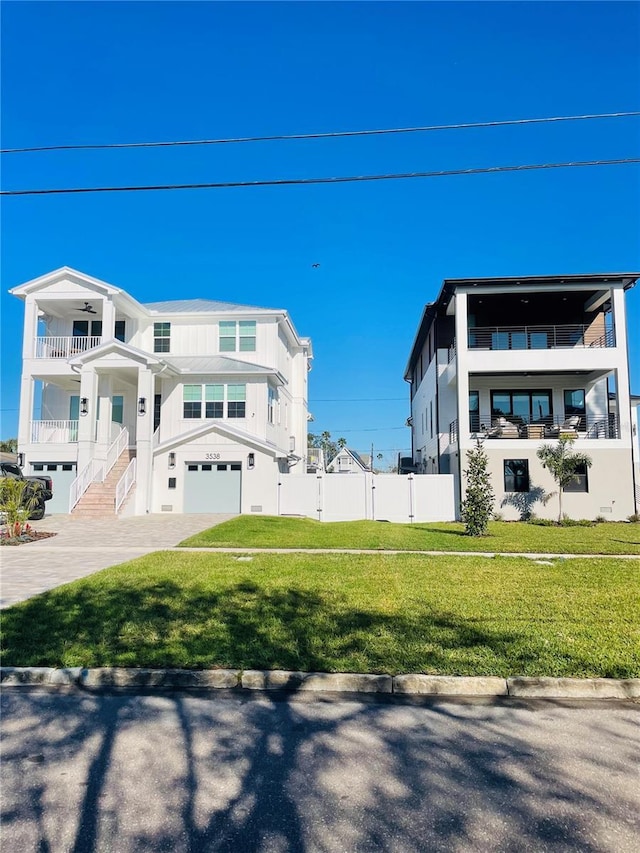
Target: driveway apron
{"points": [[83, 546]]}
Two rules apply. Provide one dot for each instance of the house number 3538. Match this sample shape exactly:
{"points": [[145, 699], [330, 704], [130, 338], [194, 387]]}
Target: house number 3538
{"points": [[213, 456]]}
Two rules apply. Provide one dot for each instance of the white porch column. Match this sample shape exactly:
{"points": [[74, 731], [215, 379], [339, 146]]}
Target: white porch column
{"points": [[87, 423], [462, 370], [108, 320], [462, 394], [30, 327], [105, 391], [623, 399], [144, 442], [26, 411]]}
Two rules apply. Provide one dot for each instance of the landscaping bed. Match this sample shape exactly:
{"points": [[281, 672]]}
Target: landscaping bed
{"points": [[449, 615], [277, 532], [27, 536]]}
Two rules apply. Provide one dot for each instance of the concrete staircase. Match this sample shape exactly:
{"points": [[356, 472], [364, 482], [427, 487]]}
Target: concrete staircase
{"points": [[99, 501]]}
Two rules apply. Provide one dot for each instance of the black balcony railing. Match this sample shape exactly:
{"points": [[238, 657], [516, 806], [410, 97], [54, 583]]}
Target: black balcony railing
{"points": [[539, 337], [571, 426]]}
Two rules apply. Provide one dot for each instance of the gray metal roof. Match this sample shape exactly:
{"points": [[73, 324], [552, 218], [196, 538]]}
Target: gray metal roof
{"points": [[200, 306], [214, 364]]}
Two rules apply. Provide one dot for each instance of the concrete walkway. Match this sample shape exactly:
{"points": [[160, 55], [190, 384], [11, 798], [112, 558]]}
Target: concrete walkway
{"points": [[87, 545], [239, 549]]}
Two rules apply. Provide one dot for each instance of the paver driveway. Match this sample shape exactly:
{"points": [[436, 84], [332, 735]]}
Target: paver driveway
{"points": [[86, 545]]}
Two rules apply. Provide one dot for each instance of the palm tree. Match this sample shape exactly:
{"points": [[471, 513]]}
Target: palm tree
{"points": [[562, 464]]}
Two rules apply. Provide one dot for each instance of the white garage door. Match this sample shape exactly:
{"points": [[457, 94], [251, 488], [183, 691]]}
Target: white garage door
{"points": [[212, 487], [62, 474]]}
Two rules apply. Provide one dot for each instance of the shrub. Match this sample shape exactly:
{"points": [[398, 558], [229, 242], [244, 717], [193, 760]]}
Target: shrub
{"points": [[15, 504], [634, 517], [600, 519], [478, 503]]}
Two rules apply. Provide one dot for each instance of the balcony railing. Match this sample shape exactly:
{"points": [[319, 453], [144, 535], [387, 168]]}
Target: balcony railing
{"points": [[65, 347], [549, 428], [54, 432], [539, 337]]}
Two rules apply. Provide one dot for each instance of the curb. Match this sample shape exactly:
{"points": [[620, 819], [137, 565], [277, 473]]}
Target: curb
{"points": [[519, 687]]}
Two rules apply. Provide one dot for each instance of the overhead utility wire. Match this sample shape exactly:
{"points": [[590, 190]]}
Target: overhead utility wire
{"points": [[283, 182], [331, 135]]}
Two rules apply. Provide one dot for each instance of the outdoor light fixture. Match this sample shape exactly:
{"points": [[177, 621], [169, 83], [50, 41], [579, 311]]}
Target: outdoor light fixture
{"points": [[142, 405], [84, 405], [172, 460], [20, 460], [251, 460]]}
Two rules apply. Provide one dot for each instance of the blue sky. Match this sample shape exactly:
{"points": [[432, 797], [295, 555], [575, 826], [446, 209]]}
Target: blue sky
{"points": [[116, 72]]}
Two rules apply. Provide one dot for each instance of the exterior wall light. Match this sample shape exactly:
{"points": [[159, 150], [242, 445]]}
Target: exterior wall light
{"points": [[84, 405], [172, 460], [142, 405], [251, 460], [20, 460]]}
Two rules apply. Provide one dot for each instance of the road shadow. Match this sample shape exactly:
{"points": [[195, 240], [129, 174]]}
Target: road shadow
{"points": [[265, 776]]}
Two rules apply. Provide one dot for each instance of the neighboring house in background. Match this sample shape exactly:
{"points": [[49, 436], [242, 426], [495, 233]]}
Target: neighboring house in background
{"points": [[200, 405], [348, 462], [516, 362]]}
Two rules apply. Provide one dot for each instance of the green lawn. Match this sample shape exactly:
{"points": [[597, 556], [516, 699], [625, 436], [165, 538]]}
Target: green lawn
{"points": [[377, 613], [273, 532]]}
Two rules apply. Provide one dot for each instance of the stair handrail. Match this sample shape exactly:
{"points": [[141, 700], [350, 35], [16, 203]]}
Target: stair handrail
{"points": [[89, 474], [125, 483], [116, 448]]}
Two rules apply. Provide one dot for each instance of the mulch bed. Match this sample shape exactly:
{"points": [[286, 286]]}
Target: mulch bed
{"points": [[31, 536]]}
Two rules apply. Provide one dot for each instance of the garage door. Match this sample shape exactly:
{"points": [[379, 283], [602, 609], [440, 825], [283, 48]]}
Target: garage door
{"points": [[62, 474], [212, 487]]}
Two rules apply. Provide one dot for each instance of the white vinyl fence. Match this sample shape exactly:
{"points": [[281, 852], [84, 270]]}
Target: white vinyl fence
{"points": [[377, 497]]}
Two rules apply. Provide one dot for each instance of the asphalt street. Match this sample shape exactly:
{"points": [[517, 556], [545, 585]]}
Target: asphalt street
{"points": [[177, 772]]}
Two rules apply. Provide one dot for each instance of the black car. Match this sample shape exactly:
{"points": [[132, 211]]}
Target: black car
{"points": [[40, 488]]}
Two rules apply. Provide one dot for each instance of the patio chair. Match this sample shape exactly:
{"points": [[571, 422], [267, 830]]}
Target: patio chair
{"points": [[567, 429]]}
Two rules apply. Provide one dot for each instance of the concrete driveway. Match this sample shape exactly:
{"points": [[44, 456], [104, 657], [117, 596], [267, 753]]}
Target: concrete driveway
{"points": [[86, 545]]}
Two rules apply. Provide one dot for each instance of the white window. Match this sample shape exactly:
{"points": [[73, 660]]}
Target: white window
{"points": [[162, 337], [271, 406], [237, 336], [219, 400]]}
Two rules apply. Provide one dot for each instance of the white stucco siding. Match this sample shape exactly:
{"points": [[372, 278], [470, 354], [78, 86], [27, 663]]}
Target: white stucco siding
{"points": [[425, 416], [610, 483]]}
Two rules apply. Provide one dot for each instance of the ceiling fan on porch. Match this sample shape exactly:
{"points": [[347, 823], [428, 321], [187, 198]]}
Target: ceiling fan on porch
{"points": [[88, 309]]}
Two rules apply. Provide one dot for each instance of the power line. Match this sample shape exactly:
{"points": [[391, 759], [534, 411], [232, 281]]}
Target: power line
{"points": [[331, 135], [374, 429], [357, 399], [282, 182]]}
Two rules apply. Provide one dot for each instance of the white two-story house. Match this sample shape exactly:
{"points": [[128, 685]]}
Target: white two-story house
{"points": [[518, 362], [190, 405]]}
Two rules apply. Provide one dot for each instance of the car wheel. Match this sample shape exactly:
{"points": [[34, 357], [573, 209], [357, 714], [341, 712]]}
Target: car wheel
{"points": [[37, 512]]}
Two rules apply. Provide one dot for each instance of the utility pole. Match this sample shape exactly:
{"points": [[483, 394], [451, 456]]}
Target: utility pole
{"points": [[371, 460]]}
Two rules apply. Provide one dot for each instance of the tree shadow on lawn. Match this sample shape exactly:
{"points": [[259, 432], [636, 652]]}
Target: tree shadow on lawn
{"points": [[246, 626]]}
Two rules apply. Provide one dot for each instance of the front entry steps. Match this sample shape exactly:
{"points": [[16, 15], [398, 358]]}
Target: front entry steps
{"points": [[99, 501]]}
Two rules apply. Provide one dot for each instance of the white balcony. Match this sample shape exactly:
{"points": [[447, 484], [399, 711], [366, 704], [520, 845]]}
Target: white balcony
{"points": [[64, 347], [54, 432]]}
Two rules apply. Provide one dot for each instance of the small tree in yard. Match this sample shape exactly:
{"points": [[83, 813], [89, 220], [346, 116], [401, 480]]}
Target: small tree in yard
{"points": [[478, 503], [562, 464]]}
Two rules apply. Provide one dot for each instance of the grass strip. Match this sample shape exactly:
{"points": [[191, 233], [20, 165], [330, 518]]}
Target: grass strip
{"points": [[448, 615]]}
